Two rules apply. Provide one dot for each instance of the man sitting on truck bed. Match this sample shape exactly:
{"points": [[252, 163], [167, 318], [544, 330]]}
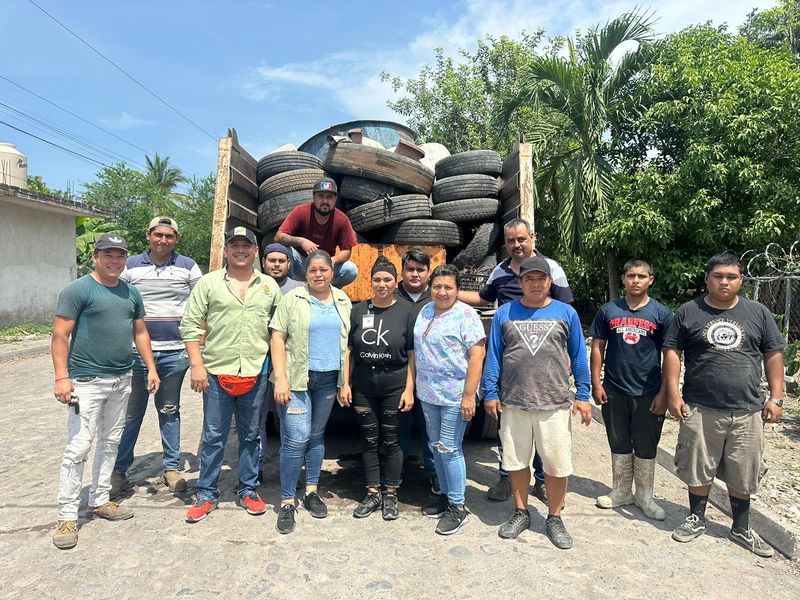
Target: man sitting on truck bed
{"points": [[320, 225]]}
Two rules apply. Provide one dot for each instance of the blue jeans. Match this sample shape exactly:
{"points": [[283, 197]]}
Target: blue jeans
{"points": [[218, 408], [303, 422], [171, 366], [343, 273], [445, 436], [407, 422]]}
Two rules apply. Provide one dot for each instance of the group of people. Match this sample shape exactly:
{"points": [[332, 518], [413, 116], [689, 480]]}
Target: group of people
{"points": [[287, 339]]}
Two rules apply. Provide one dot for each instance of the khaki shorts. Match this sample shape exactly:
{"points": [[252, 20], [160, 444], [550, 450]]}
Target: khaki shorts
{"points": [[724, 444], [548, 431]]}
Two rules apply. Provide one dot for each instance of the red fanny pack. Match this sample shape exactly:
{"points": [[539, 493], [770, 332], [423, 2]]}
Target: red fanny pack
{"points": [[236, 385]]}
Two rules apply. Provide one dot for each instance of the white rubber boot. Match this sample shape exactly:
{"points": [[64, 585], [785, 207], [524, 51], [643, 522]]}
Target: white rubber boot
{"points": [[622, 476], [644, 471]]}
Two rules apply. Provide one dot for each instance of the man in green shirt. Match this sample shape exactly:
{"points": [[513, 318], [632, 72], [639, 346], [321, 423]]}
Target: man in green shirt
{"points": [[98, 320], [236, 303]]}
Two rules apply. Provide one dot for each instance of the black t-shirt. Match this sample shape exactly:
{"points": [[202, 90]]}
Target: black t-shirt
{"points": [[381, 337], [723, 351], [416, 305], [633, 345]]}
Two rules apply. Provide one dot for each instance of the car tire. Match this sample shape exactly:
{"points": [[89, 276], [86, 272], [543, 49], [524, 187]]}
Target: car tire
{"points": [[484, 162], [387, 211], [460, 187], [280, 162], [379, 165], [468, 210], [424, 232], [289, 181], [481, 245]]}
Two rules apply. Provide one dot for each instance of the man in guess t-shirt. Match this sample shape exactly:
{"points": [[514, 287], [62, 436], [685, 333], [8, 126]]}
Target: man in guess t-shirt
{"points": [[627, 336], [724, 340], [320, 225]]}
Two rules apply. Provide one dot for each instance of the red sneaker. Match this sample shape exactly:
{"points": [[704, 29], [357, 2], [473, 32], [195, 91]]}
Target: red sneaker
{"points": [[253, 504], [199, 510]]}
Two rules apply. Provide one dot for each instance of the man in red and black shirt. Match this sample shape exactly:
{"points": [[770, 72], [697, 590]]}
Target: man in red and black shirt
{"points": [[319, 225]]}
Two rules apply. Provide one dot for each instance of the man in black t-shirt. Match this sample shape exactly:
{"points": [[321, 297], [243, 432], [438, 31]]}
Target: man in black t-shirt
{"points": [[724, 339], [413, 287], [627, 336]]}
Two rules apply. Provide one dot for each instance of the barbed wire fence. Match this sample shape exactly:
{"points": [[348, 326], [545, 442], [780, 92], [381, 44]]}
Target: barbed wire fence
{"points": [[772, 277]]}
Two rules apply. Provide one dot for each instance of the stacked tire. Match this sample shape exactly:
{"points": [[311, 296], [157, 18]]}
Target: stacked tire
{"points": [[387, 196], [284, 182], [466, 193]]}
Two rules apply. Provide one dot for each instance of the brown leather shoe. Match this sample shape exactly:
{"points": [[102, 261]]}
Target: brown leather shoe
{"points": [[174, 481], [111, 511]]}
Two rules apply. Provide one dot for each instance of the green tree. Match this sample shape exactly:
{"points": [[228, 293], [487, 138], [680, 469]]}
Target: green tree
{"points": [[711, 163], [87, 231], [453, 101], [578, 100], [37, 184], [776, 27], [164, 175], [194, 215]]}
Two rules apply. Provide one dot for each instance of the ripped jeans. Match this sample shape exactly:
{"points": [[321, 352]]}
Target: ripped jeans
{"points": [[171, 367], [376, 396], [303, 422], [445, 436]]}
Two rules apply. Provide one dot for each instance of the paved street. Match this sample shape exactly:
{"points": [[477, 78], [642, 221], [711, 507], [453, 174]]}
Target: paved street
{"points": [[617, 554]]}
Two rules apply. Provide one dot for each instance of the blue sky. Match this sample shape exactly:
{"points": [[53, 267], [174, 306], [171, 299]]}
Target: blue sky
{"points": [[276, 71]]}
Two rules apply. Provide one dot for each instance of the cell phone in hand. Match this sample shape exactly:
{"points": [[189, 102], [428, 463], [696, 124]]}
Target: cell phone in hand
{"points": [[74, 403]]}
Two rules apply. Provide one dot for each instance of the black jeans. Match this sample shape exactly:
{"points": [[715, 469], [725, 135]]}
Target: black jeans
{"points": [[630, 426], [376, 395]]}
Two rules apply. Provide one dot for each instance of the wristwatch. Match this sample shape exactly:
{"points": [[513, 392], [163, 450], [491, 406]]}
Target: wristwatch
{"points": [[777, 401]]}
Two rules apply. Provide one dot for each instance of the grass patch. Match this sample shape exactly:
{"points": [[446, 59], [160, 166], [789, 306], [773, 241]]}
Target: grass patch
{"points": [[19, 332]]}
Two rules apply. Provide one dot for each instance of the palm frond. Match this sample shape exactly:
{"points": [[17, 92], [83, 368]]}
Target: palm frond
{"points": [[631, 26]]}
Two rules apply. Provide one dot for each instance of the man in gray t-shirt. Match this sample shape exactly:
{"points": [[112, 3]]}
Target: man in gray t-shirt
{"points": [[724, 339], [98, 320]]}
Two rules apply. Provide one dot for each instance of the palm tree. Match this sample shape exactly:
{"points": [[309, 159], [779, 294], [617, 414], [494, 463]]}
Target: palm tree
{"points": [[579, 97], [163, 174]]}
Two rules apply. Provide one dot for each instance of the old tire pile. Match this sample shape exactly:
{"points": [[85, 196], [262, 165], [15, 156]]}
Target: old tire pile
{"points": [[284, 182], [466, 193]]}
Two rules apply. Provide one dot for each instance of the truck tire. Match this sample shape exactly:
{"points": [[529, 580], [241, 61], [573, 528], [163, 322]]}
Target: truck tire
{"points": [[480, 247], [374, 215], [459, 187], [365, 190], [423, 232], [485, 162], [272, 212], [280, 162], [289, 181], [482, 426], [379, 165], [467, 211]]}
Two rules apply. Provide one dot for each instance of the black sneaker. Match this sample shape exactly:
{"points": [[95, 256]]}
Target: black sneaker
{"points": [[368, 505], [315, 505], [437, 510], [452, 520], [435, 487], [557, 533], [500, 491], [516, 524], [692, 527], [286, 518], [752, 541], [390, 510]]}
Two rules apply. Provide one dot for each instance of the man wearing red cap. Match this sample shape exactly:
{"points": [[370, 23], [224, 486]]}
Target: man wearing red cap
{"points": [[320, 225]]}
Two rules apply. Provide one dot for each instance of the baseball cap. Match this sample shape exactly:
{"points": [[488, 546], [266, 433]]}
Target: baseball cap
{"points": [[276, 248], [240, 232], [534, 263], [111, 241], [163, 222], [326, 184]]}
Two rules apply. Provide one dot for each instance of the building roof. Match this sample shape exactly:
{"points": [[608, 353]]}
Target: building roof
{"points": [[14, 195]]}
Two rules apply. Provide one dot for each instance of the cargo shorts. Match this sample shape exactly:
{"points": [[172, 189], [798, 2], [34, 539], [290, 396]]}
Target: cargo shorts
{"points": [[725, 444]]}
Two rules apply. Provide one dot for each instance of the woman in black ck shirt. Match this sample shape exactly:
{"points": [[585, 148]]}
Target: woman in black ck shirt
{"points": [[381, 373]]}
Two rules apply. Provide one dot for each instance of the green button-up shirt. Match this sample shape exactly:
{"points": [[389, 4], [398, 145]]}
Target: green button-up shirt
{"points": [[237, 338]]}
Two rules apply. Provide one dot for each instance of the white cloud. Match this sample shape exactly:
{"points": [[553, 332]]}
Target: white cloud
{"points": [[125, 121], [365, 96]]}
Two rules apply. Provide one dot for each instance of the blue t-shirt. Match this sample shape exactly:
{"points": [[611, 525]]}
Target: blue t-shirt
{"points": [[531, 354], [634, 339], [323, 336], [102, 339]]}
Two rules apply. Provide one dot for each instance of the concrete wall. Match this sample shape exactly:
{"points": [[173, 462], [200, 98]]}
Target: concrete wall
{"points": [[37, 259]]}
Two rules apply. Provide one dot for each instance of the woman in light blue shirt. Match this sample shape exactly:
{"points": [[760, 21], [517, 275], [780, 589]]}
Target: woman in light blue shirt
{"points": [[449, 344]]}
